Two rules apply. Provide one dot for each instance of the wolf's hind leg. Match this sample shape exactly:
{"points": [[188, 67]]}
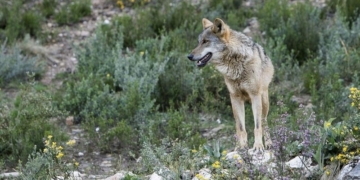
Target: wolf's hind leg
{"points": [[265, 111]]}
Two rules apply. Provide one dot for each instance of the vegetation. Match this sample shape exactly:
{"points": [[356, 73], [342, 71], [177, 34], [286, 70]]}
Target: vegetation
{"points": [[135, 94]]}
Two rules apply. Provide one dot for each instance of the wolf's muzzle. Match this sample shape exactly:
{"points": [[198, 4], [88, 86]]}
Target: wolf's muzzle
{"points": [[191, 57]]}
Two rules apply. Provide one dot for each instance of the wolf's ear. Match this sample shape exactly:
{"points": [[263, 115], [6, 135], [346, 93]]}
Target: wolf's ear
{"points": [[221, 29], [206, 23]]}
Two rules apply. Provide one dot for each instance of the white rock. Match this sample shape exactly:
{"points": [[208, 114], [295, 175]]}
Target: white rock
{"points": [[204, 172], [233, 156], [80, 154], [76, 175], [10, 174], [106, 164], [117, 176], [155, 176], [262, 158], [299, 162], [106, 21], [346, 169]]}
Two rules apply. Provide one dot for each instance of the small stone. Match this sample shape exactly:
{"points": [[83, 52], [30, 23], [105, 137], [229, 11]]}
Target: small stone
{"points": [[299, 162], [204, 172], [106, 21], [10, 174], [260, 158], [80, 154], [106, 164], [117, 176], [155, 176]]}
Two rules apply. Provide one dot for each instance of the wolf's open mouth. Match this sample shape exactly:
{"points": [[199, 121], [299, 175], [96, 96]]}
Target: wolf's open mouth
{"points": [[202, 62]]}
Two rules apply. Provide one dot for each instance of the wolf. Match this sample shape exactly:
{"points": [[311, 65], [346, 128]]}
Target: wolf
{"points": [[247, 72]]}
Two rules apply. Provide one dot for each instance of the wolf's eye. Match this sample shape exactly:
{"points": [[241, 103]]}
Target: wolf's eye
{"points": [[204, 41]]}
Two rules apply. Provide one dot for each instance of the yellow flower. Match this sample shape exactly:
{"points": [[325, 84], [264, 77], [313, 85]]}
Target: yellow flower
{"points": [[344, 148], [327, 124], [352, 104], [59, 155], [332, 158], [53, 145], [121, 4], [59, 148], [76, 164], [46, 150], [224, 152], [108, 75], [49, 136], [46, 143], [194, 151], [71, 142], [216, 164], [132, 1], [356, 128], [141, 53], [342, 133], [353, 89], [327, 172], [352, 153]]}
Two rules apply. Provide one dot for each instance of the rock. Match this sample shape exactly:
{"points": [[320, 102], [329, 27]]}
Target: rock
{"points": [[204, 173], [82, 33], [354, 173], [106, 21], [117, 176], [76, 175], [299, 162], [213, 132], [80, 154], [262, 158], [350, 171], [233, 156], [309, 172], [106, 164], [344, 171], [10, 174], [155, 176]]}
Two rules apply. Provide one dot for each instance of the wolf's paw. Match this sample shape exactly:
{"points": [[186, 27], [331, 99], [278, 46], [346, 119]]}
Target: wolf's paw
{"points": [[258, 148]]}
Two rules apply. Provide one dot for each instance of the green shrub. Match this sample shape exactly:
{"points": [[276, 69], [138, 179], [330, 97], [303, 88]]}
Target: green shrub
{"points": [[47, 8], [26, 123], [299, 24], [15, 23], [349, 9], [48, 163], [73, 12], [16, 66]]}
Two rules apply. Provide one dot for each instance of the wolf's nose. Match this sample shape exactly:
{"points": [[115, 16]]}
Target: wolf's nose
{"points": [[190, 56]]}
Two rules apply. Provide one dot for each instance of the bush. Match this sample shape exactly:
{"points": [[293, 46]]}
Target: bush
{"points": [[26, 123], [47, 8], [16, 66], [299, 24], [349, 8], [15, 23], [73, 12]]}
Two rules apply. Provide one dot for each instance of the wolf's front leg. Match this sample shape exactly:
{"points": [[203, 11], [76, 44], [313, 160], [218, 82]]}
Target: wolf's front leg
{"points": [[256, 105], [238, 107]]}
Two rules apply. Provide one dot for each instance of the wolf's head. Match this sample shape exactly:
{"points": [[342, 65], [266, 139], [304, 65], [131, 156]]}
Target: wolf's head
{"points": [[211, 42]]}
